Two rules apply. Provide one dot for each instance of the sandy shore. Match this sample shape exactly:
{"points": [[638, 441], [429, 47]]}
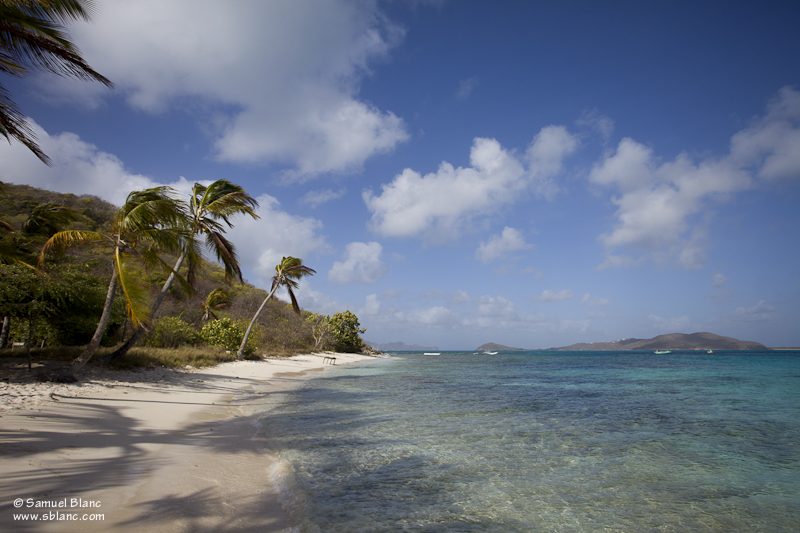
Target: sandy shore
{"points": [[157, 450]]}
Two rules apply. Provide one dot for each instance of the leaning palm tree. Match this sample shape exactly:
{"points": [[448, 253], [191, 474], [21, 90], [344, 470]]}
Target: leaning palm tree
{"points": [[216, 299], [32, 35], [147, 225], [286, 272], [206, 210], [48, 219]]}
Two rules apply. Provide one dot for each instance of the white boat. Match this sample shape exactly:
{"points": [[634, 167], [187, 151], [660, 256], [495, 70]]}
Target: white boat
{"points": [[433, 353], [490, 353]]}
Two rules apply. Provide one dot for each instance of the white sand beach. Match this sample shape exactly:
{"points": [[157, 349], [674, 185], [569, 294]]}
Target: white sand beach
{"points": [[152, 450]]}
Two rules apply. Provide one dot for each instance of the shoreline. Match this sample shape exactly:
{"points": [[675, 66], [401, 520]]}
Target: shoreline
{"points": [[153, 450]]}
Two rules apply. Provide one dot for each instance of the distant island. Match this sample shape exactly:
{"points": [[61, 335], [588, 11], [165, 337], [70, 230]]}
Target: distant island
{"points": [[402, 347], [670, 341], [494, 347]]}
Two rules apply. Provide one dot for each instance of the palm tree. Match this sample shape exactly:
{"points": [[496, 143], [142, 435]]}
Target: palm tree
{"points": [[286, 272], [206, 208], [48, 218], [32, 34], [145, 226], [216, 299]]}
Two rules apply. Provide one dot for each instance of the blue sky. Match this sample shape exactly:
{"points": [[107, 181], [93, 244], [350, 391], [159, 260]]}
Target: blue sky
{"points": [[459, 172]]}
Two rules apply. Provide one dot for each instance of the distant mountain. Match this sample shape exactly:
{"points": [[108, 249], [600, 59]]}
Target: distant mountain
{"points": [[670, 341], [402, 347], [494, 347]]}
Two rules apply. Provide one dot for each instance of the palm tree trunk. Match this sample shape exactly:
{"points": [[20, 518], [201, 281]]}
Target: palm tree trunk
{"points": [[94, 344], [29, 342], [240, 351], [120, 352], [5, 332]]}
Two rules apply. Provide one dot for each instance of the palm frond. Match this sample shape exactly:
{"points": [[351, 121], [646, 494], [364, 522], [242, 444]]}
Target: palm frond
{"points": [[226, 254], [295, 305], [135, 296], [32, 32], [48, 218], [64, 239]]}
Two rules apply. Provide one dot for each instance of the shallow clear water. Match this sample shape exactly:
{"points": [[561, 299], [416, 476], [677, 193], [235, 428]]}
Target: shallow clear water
{"points": [[545, 442]]}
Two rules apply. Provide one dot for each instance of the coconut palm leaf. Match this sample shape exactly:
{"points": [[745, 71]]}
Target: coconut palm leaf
{"points": [[136, 301], [68, 238], [48, 218], [32, 36]]}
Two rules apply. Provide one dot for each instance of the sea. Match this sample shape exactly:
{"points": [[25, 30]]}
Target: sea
{"points": [[543, 441]]}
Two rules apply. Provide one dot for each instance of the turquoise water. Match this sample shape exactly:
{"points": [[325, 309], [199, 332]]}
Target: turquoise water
{"points": [[544, 442]]}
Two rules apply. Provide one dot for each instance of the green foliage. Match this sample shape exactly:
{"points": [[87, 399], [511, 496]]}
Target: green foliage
{"points": [[346, 330], [171, 332], [65, 303], [228, 334]]}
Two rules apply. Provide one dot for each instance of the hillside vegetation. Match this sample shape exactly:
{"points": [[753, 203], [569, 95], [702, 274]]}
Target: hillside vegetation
{"points": [[60, 302]]}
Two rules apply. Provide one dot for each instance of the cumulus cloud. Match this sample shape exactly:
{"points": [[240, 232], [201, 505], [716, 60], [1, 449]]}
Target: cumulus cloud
{"points": [[772, 143], [433, 317], [279, 81], [660, 204], [438, 205], [465, 87], [510, 240], [362, 264], [78, 167], [763, 311], [718, 280], [552, 296], [316, 198], [372, 305], [591, 301]]}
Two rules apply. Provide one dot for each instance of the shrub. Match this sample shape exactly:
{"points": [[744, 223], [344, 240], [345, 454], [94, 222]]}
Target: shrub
{"points": [[346, 331], [229, 335], [171, 332]]}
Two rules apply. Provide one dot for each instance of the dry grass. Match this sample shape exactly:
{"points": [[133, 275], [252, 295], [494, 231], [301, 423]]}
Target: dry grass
{"points": [[137, 357]]}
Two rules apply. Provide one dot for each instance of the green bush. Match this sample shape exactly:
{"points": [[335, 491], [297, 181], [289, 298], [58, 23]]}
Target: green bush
{"points": [[346, 331], [171, 332], [228, 334]]}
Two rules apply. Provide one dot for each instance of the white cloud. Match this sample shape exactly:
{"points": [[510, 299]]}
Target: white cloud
{"points": [[551, 296], [465, 87], [433, 317], [598, 122], [275, 81], [661, 204], [316, 198], [372, 305], [772, 143], [262, 243], [718, 280], [763, 311], [362, 264], [496, 307], [510, 240], [78, 167], [438, 205], [591, 301]]}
